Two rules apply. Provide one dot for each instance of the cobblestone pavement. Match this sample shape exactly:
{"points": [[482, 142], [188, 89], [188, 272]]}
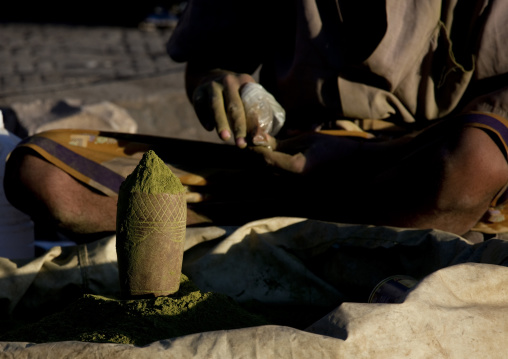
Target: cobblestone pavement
{"points": [[124, 65], [38, 57]]}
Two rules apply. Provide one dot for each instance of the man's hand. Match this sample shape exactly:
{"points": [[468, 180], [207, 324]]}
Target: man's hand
{"points": [[311, 154], [218, 105]]}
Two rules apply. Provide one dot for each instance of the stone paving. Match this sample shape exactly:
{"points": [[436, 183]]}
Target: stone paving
{"points": [[124, 65], [37, 57]]}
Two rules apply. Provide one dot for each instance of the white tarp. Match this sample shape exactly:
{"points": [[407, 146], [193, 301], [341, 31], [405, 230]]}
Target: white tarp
{"points": [[458, 309]]}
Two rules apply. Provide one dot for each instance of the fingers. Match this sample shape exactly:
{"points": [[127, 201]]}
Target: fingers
{"points": [[310, 154], [203, 100], [218, 105], [291, 163], [287, 155], [218, 111], [235, 109]]}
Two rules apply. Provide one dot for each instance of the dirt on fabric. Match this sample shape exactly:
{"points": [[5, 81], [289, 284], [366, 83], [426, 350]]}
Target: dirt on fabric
{"points": [[99, 319]]}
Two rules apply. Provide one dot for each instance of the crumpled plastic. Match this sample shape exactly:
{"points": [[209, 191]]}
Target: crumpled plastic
{"points": [[265, 116]]}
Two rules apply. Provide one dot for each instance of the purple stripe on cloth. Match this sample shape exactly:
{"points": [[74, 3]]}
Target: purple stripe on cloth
{"points": [[89, 168], [492, 122]]}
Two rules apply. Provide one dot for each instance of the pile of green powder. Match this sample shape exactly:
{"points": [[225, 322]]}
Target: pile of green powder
{"points": [[139, 322], [152, 176]]}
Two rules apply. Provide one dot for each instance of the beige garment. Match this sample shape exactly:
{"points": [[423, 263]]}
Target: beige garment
{"points": [[415, 67], [459, 309], [424, 71]]}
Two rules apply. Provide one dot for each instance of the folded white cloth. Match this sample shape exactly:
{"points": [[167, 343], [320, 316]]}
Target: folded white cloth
{"points": [[16, 228]]}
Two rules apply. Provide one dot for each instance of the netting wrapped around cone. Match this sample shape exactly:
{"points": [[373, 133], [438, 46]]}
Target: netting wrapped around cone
{"points": [[151, 223]]}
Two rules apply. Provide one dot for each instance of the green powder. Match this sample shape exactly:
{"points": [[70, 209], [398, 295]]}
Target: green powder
{"points": [[152, 176], [142, 321]]}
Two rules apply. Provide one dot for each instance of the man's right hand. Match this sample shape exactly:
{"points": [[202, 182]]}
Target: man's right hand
{"points": [[218, 104]]}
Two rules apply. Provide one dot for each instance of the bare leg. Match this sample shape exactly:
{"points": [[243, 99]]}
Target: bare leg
{"points": [[448, 185], [444, 180], [51, 196], [55, 199]]}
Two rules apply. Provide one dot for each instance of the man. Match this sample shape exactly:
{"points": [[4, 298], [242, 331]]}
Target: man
{"points": [[435, 68], [409, 63]]}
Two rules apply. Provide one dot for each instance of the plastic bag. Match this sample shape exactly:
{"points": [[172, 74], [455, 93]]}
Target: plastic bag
{"points": [[265, 116], [16, 228]]}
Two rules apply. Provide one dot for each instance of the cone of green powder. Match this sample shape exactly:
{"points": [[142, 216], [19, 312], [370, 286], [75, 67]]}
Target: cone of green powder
{"points": [[151, 220]]}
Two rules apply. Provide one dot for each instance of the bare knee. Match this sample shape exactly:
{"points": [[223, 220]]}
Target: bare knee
{"points": [[474, 171], [20, 181], [47, 193], [447, 185]]}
